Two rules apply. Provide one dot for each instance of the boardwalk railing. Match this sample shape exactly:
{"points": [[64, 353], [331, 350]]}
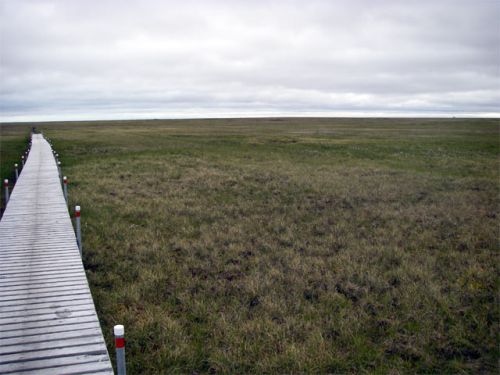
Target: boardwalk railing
{"points": [[48, 322]]}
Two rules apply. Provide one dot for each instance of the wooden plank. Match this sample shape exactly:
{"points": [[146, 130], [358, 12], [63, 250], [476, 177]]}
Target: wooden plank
{"points": [[84, 338], [33, 256], [90, 318], [60, 315], [28, 332], [16, 291], [41, 267], [54, 310], [37, 247], [47, 309], [90, 349], [47, 337], [40, 277], [32, 237], [47, 299], [35, 251], [41, 280], [35, 306], [75, 267], [40, 297], [78, 364], [47, 284], [41, 291]]}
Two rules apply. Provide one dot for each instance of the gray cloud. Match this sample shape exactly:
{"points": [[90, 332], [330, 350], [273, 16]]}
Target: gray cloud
{"points": [[118, 59]]}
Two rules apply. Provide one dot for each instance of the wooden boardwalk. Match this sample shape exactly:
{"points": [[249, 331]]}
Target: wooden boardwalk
{"points": [[48, 322]]}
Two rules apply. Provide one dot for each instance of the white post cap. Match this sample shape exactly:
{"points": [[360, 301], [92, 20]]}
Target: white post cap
{"points": [[77, 208], [119, 330], [5, 181], [15, 165]]}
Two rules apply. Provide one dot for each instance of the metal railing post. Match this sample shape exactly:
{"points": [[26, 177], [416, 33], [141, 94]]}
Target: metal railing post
{"points": [[17, 171], [65, 188], [78, 229], [59, 171], [119, 332], [22, 160], [6, 186]]}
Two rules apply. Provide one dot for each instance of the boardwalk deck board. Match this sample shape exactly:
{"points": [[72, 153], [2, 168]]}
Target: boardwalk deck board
{"points": [[78, 365], [46, 310], [39, 280], [47, 337], [82, 326], [48, 322]]}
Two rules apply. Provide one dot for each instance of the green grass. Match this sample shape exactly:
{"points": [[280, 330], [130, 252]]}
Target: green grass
{"points": [[290, 245], [13, 142]]}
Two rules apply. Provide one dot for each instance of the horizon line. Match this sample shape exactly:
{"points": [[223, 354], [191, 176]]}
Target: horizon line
{"points": [[50, 119]]}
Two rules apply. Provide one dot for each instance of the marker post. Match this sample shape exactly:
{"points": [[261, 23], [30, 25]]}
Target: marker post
{"points": [[119, 332], [65, 188], [6, 186], [78, 229], [59, 171]]}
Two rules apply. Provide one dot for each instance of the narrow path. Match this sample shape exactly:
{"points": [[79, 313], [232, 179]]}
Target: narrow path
{"points": [[48, 322]]}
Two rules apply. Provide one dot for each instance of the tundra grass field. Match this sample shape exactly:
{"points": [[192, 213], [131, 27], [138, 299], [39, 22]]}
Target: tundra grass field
{"points": [[289, 245]]}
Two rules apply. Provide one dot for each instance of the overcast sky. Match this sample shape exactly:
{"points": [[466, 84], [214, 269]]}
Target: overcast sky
{"points": [[165, 59]]}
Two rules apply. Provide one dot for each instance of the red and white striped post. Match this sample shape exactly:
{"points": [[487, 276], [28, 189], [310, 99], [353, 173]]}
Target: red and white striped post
{"points": [[6, 186], [22, 160], [16, 169], [119, 332], [65, 188], [78, 229]]}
